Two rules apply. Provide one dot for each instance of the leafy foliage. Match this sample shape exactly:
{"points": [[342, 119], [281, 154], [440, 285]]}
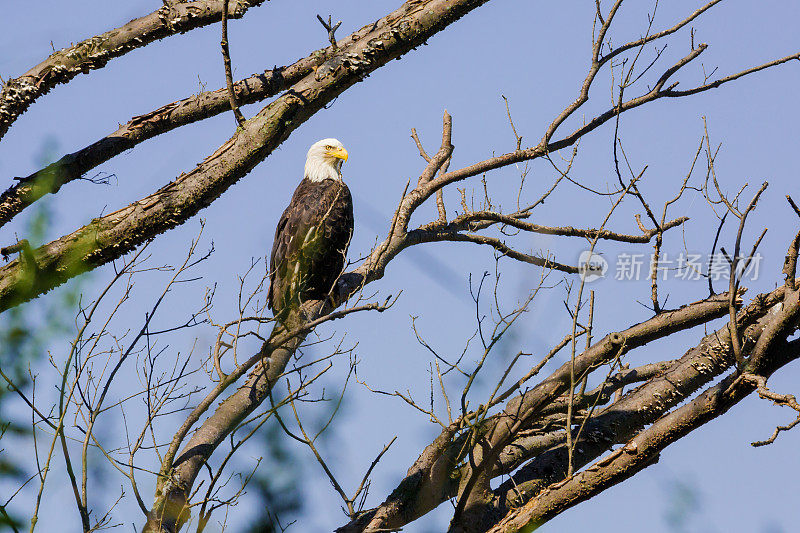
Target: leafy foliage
{"points": [[26, 332]]}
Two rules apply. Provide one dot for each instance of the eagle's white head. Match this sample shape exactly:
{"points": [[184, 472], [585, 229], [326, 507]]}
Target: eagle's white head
{"points": [[324, 160]]}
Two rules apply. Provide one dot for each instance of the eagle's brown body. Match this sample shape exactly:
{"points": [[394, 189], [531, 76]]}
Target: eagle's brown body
{"points": [[311, 241]]}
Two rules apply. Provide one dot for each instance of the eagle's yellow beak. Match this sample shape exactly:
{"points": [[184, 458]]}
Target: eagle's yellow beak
{"points": [[339, 153]]}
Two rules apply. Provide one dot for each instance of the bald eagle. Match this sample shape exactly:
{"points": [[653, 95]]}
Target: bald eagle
{"points": [[313, 233]]}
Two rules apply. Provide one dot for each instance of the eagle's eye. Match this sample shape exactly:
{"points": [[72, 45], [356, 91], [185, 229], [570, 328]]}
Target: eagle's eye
{"points": [[328, 147]]}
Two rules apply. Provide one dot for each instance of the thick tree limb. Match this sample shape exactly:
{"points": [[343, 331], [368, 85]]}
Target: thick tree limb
{"points": [[117, 233], [141, 128], [431, 478], [521, 409], [641, 406], [93, 53], [645, 447], [404, 506], [170, 509], [179, 470], [617, 423]]}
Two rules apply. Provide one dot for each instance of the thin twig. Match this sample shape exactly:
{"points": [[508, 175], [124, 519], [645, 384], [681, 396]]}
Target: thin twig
{"points": [[226, 59], [331, 29]]}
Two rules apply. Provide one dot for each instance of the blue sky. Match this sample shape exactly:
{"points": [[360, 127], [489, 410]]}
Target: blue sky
{"points": [[534, 53]]}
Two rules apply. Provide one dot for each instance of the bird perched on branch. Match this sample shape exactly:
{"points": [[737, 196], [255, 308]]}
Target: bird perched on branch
{"points": [[313, 233]]}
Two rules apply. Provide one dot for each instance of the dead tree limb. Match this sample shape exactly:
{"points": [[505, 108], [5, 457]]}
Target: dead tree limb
{"points": [[226, 60], [117, 233], [93, 53], [143, 127]]}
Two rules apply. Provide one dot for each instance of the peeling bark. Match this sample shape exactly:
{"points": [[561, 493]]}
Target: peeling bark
{"points": [[117, 233], [643, 450], [93, 53]]}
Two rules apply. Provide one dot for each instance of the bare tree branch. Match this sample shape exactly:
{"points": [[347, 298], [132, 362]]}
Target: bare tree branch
{"points": [[539, 436], [197, 107], [170, 19], [644, 449], [430, 478], [115, 234], [226, 59]]}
